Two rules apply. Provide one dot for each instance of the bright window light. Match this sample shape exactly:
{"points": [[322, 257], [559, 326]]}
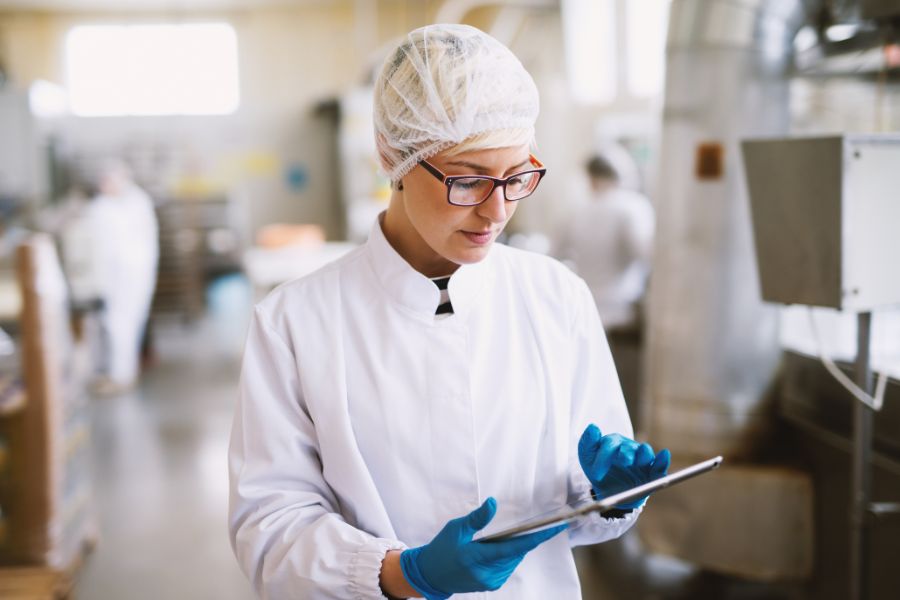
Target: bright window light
{"points": [[647, 21], [590, 49], [152, 69]]}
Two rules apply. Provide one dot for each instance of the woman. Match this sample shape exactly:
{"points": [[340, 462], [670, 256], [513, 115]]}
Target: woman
{"points": [[393, 402]]}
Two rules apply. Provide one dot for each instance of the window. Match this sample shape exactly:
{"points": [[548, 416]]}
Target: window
{"points": [[186, 69], [647, 21], [613, 41], [589, 35]]}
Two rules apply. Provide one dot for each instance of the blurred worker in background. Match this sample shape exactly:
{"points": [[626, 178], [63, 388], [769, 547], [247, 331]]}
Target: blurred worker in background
{"points": [[609, 243], [125, 251]]}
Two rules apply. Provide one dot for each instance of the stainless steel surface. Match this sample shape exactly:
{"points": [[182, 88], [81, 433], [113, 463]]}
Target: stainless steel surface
{"points": [[712, 344], [795, 191], [824, 210], [861, 471], [859, 61], [766, 26]]}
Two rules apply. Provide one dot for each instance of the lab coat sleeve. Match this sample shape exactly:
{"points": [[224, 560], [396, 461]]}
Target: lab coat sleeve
{"points": [[284, 528], [596, 398]]}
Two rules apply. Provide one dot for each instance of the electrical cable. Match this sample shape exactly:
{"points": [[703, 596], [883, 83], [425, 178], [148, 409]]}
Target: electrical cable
{"points": [[874, 402]]}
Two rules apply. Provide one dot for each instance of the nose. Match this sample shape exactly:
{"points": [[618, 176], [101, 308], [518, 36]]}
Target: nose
{"points": [[494, 208]]}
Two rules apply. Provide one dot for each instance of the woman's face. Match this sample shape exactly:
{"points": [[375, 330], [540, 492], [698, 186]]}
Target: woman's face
{"points": [[434, 236]]}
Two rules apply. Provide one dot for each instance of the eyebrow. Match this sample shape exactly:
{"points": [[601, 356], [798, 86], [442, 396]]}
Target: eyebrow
{"points": [[483, 169]]}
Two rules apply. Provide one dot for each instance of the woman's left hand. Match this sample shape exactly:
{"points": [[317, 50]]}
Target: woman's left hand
{"points": [[614, 463]]}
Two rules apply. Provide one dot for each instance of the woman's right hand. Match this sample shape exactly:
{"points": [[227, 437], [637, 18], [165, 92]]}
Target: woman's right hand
{"points": [[452, 563]]}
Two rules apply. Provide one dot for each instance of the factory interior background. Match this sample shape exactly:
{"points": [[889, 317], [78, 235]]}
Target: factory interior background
{"points": [[757, 142]]}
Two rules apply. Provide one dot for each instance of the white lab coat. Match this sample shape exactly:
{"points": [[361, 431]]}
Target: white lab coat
{"points": [[127, 235], [364, 424], [609, 241]]}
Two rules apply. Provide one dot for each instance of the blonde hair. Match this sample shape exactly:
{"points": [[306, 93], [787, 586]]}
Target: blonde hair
{"points": [[491, 140]]}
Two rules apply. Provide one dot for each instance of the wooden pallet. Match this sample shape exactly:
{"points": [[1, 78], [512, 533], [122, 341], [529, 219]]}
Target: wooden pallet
{"points": [[34, 583], [43, 582]]}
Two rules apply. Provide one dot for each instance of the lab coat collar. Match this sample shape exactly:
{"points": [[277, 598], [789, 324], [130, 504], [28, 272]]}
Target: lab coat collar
{"points": [[416, 292]]}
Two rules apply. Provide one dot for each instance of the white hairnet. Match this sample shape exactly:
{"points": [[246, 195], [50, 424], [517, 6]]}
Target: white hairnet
{"points": [[443, 85]]}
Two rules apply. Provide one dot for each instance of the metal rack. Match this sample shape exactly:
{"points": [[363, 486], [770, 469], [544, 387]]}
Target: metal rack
{"points": [[188, 254]]}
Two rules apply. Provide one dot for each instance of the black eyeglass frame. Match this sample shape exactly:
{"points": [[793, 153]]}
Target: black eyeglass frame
{"points": [[448, 180]]}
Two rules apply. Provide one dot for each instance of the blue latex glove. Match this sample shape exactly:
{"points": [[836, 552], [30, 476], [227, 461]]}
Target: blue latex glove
{"points": [[613, 463], [452, 563]]}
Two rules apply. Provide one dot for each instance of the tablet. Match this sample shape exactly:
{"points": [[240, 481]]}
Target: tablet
{"points": [[569, 514]]}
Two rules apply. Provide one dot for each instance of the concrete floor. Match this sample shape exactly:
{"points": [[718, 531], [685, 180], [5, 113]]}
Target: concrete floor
{"points": [[159, 463]]}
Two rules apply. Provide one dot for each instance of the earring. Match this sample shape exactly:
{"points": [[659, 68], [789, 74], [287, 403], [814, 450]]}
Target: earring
{"points": [[399, 186]]}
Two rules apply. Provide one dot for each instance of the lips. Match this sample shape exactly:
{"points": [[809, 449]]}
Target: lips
{"points": [[479, 237]]}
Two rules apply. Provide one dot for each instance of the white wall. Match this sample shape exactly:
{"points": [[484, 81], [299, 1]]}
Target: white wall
{"points": [[292, 58]]}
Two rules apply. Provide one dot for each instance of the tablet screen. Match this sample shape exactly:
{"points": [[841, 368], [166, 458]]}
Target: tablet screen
{"points": [[571, 514]]}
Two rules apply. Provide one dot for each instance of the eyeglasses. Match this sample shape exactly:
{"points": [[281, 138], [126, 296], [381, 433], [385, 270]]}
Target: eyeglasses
{"points": [[471, 190]]}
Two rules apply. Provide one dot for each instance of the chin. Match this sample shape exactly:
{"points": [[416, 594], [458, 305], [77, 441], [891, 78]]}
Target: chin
{"points": [[472, 255]]}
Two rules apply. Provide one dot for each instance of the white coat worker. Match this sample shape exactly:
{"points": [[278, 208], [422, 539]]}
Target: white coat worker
{"points": [[126, 230], [396, 402], [609, 244]]}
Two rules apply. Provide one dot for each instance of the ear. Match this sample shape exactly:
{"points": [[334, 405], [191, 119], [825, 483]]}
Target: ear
{"points": [[400, 185]]}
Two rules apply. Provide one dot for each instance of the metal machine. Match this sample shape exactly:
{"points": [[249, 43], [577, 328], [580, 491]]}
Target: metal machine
{"points": [[825, 213]]}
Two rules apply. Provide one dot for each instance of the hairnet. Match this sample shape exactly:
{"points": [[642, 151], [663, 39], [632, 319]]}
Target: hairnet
{"points": [[443, 85]]}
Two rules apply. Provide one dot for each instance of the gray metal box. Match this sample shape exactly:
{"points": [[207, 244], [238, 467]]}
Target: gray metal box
{"points": [[826, 219]]}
